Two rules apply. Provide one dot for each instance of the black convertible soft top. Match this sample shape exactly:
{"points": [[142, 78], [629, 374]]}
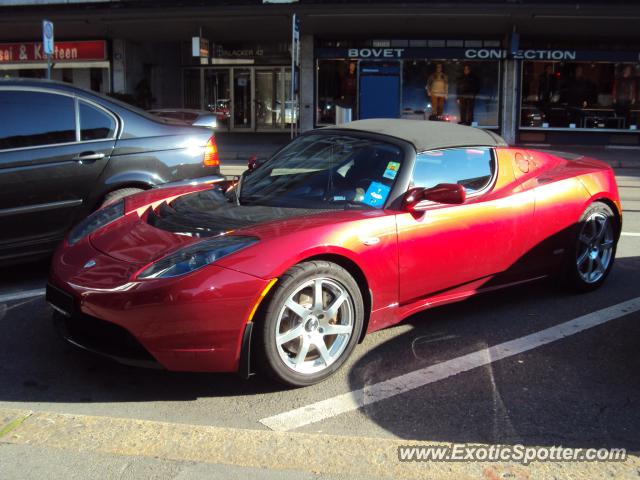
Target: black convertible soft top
{"points": [[427, 135]]}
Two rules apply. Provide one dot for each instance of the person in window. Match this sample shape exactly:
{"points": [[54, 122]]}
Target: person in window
{"points": [[438, 91], [467, 88], [625, 91]]}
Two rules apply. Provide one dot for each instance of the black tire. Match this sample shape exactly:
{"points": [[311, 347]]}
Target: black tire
{"points": [[118, 194], [267, 352], [574, 275]]}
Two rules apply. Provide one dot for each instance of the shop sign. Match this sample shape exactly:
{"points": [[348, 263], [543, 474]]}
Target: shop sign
{"points": [[476, 54], [497, 54], [272, 54], [62, 51], [375, 52]]}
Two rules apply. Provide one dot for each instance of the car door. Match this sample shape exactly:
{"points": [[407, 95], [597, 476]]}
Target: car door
{"points": [[53, 147], [451, 249]]}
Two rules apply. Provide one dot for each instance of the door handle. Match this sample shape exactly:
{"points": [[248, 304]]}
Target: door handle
{"points": [[88, 157]]}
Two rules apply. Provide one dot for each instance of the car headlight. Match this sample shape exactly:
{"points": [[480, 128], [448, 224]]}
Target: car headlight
{"points": [[195, 256], [96, 220]]}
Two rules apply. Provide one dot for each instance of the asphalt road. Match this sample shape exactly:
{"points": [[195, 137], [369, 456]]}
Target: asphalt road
{"points": [[579, 391]]}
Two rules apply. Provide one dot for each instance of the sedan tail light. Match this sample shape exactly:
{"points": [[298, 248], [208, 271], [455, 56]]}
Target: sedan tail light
{"points": [[211, 158]]}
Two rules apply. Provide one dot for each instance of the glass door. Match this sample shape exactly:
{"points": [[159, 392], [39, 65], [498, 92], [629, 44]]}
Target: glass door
{"points": [[191, 93], [217, 95], [242, 111], [274, 111], [270, 99]]}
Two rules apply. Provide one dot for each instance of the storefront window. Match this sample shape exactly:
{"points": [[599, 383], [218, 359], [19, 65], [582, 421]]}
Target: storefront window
{"points": [[578, 95], [452, 91], [337, 86]]}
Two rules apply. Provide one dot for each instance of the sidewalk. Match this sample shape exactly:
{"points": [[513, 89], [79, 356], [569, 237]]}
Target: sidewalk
{"points": [[236, 148], [40, 444]]}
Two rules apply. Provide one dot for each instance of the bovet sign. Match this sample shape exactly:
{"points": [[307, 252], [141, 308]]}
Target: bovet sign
{"points": [[498, 54], [375, 52]]}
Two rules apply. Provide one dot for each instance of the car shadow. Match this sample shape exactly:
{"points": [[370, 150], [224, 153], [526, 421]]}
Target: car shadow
{"points": [[582, 391]]}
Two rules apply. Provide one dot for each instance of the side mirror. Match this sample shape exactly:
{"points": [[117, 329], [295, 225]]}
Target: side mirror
{"points": [[447, 193], [450, 193], [208, 121], [254, 162]]}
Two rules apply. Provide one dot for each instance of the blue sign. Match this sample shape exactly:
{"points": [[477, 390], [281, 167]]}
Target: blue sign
{"points": [[47, 37], [376, 194]]}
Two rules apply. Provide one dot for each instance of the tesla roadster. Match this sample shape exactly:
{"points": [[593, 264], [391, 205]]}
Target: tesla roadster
{"points": [[344, 231]]}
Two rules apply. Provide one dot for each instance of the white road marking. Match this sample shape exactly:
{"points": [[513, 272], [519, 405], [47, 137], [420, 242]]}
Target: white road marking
{"points": [[630, 234], [355, 399], [8, 297]]}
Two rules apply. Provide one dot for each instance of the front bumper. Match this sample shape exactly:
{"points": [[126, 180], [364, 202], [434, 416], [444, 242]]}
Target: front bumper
{"points": [[103, 338], [190, 323]]}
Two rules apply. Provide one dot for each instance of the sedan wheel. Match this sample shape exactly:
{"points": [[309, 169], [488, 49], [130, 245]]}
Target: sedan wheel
{"points": [[312, 323]]}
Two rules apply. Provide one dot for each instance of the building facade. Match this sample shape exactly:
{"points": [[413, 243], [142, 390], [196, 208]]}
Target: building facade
{"points": [[535, 71]]}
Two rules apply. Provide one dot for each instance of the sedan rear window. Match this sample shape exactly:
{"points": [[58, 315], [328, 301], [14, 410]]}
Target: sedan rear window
{"points": [[95, 124], [35, 118]]}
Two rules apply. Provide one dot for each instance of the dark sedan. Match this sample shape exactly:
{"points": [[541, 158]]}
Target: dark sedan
{"points": [[65, 151]]}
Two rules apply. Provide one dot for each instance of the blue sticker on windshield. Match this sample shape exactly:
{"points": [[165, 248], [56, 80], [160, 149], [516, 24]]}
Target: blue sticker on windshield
{"points": [[392, 170], [390, 174], [376, 194]]}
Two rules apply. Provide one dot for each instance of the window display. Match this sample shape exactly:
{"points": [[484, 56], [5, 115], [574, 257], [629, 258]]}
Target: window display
{"points": [[580, 95], [450, 90]]}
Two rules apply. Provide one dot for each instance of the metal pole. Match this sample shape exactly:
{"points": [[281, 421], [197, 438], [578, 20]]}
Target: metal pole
{"points": [[293, 72], [49, 67]]}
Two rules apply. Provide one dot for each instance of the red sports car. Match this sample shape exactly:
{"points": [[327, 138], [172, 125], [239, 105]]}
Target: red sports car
{"points": [[345, 231]]}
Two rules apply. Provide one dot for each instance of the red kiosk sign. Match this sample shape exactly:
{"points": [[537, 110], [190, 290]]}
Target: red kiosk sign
{"points": [[63, 51]]}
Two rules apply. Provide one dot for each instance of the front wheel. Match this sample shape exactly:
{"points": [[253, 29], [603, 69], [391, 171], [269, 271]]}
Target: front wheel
{"points": [[311, 324], [594, 248]]}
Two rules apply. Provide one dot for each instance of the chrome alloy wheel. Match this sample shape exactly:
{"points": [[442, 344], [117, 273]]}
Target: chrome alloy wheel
{"points": [[314, 325], [595, 247]]}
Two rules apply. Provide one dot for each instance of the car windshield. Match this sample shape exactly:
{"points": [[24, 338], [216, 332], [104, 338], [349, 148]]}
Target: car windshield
{"points": [[325, 171]]}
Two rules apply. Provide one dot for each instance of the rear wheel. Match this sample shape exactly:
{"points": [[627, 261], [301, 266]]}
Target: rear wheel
{"points": [[311, 325], [594, 248], [116, 195]]}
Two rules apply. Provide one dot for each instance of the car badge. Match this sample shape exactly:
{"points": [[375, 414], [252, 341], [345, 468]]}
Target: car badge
{"points": [[90, 263]]}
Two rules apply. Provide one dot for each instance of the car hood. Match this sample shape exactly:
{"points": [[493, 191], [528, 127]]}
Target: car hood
{"points": [[185, 220], [208, 213]]}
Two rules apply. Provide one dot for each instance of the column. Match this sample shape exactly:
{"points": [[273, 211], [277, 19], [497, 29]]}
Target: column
{"points": [[118, 67], [510, 99]]}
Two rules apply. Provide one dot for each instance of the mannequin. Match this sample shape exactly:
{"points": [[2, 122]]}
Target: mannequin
{"points": [[625, 91], [438, 90], [547, 85], [349, 87], [467, 88]]}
